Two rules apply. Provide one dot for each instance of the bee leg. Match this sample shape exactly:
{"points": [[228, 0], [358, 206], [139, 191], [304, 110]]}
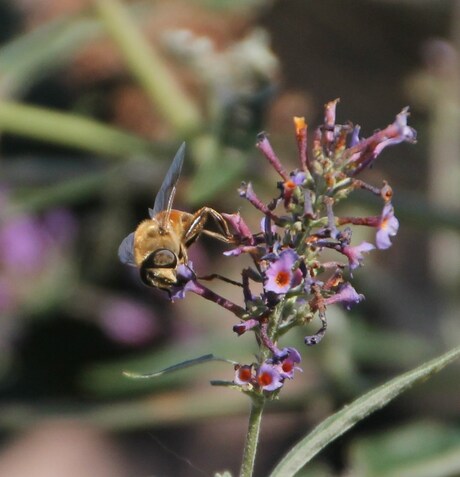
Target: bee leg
{"points": [[199, 221]]}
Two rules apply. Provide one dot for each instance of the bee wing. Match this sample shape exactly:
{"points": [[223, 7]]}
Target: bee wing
{"points": [[165, 196], [126, 250]]}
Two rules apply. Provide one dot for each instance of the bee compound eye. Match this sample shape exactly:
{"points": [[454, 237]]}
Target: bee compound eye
{"points": [[148, 277], [164, 258]]}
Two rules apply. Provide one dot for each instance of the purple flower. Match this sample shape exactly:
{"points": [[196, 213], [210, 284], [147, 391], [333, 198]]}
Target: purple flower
{"points": [[286, 361], [346, 295], [355, 254], [24, 244], [185, 281], [388, 227], [269, 378], [128, 321], [400, 132], [279, 276], [364, 153], [243, 375]]}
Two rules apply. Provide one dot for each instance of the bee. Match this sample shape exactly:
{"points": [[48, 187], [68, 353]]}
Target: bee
{"points": [[159, 244]]}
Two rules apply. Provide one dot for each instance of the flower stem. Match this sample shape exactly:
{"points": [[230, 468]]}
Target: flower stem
{"points": [[205, 292], [252, 437]]}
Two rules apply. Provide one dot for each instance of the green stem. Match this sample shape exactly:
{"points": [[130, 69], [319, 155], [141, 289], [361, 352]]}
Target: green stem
{"points": [[252, 437]]}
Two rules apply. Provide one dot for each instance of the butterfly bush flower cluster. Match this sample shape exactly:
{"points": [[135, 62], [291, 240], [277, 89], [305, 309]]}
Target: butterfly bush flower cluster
{"points": [[297, 226]]}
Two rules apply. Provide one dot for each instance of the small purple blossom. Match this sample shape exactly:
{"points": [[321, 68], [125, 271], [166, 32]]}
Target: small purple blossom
{"points": [[364, 153], [185, 282], [280, 277], [269, 378], [243, 375], [355, 254], [285, 361], [400, 132], [388, 227], [346, 295]]}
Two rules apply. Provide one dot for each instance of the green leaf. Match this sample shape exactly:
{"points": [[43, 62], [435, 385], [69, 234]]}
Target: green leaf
{"points": [[406, 451], [337, 424], [176, 367]]}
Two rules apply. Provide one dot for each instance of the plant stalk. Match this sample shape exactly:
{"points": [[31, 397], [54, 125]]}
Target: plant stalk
{"points": [[252, 437]]}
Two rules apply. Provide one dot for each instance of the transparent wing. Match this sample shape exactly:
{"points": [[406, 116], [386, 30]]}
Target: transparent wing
{"points": [[164, 198], [126, 250]]}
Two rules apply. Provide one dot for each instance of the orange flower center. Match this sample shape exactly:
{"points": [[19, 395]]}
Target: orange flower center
{"points": [[265, 379], [287, 366], [244, 374], [282, 278], [289, 185]]}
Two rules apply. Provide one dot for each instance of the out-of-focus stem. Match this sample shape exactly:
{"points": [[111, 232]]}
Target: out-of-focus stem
{"points": [[163, 89]]}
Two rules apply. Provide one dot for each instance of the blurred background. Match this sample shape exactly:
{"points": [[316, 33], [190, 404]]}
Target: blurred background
{"points": [[95, 98]]}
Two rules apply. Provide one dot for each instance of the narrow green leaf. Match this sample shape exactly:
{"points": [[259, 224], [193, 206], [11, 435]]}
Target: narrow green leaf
{"points": [[415, 455], [176, 367], [337, 424], [69, 130]]}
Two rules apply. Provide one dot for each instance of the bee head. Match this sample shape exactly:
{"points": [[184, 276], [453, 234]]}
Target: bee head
{"points": [[159, 268]]}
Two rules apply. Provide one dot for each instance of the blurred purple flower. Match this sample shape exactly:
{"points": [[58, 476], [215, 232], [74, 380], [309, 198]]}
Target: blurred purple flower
{"points": [[128, 321], [23, 245], [61, 225]]}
